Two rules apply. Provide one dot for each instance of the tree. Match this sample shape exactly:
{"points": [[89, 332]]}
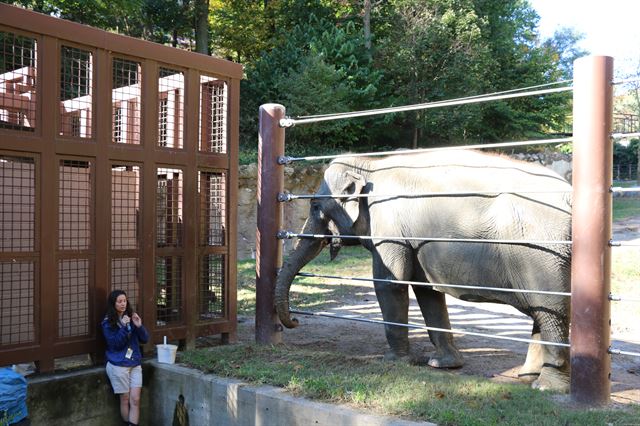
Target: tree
{"points": [[319, 68], [202, 26]]}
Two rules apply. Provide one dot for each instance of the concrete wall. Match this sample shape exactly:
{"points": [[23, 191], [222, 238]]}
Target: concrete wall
{"points": [[85, 398], [82, 397]]}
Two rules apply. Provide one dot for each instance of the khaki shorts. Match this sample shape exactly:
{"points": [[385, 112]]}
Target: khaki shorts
{"points": [[124, 378]]}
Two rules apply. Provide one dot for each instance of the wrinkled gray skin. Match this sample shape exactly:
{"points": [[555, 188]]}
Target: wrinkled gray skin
{"points": [[531, 216]]}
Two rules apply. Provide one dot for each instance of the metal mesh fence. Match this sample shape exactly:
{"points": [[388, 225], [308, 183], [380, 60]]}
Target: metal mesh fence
{"points": [[169, 208], [125, 100], [74, 205], [168, 290], [125, 275], [17, 284], [213, 115], [73, 297], [17, 82], [17, 204], [125, 207], [210, 294], [212, 191], [170, 108], [76, 92]]}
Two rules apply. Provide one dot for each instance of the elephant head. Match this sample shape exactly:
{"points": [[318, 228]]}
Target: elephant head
{"points": [[342, 215]]}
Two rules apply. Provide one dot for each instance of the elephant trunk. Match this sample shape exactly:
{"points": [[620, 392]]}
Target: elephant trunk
{"points": [[305, 251]]}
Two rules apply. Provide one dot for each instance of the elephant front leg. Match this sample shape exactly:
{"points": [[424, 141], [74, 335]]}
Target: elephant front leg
{"points": [[394, 304], [554, 374], [434, 310]]}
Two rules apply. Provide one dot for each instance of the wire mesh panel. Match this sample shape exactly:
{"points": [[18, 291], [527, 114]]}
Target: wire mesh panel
{"points": [[170, 108], [17, 204], [125, 207], [126, 101], [73, 297], [74, 205], [169, 208], [211, 300], [17, 82], [213, 115], [17, 283], [76, 92], [125, 275], [168, 290], [212, 191]]}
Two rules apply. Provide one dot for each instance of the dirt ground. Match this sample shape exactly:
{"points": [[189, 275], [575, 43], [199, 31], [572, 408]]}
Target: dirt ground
{"points": [[496, 360]]}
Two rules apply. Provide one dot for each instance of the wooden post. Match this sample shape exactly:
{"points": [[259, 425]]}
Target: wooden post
{"points": [[269, 222], [591, 230]]}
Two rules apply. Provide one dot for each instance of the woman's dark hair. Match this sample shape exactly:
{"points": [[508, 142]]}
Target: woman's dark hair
{"points": [[112, 314]]}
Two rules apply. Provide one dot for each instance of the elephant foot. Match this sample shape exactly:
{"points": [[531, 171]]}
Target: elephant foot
{"points": [[553, 379], [401, 356], [441, 359]]}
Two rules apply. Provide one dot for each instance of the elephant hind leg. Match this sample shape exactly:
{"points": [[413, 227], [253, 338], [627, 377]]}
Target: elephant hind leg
{"points": [[434, 310]]}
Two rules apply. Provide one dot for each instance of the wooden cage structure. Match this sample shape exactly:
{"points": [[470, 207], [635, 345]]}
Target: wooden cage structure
{"points": [[118, 170]]}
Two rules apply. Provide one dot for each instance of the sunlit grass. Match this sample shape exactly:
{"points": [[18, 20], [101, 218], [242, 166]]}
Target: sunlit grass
{"points": [[313, 292], [625, 207], [395, 389]]}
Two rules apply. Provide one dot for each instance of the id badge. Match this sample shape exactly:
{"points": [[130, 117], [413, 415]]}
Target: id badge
{"points": [[129, 353]]}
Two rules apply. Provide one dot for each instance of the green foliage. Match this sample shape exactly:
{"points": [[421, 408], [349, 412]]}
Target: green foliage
{"points": [[626, 154], [319, 68], [311, 56]]}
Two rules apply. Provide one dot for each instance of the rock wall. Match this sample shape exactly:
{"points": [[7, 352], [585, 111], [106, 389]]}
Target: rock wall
{"points": [[305, 179]]}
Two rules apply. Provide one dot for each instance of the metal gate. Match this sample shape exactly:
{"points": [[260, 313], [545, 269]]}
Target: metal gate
{"points": [[118, 169]]}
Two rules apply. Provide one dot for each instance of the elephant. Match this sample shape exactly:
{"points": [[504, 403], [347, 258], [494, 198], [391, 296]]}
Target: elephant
{"points": [[450, 194]]}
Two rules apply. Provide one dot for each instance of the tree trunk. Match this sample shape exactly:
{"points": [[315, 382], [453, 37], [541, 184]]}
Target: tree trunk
{"points": [[202, 26], [366, 23]]}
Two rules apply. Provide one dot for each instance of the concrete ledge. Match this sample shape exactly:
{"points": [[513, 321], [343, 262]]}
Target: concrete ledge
{"points": [[84, 397], [213, 400]]}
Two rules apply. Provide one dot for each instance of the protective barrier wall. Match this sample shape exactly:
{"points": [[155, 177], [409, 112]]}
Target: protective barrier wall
{"points": [[118, 169]]}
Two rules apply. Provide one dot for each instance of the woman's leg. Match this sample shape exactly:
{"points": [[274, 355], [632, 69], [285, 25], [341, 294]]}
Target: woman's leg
{"points": [[124, 406], [134, 406]]}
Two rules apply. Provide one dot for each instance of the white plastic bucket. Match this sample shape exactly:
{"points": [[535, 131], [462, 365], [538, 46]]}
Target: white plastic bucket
{"points": [[167, 353]]}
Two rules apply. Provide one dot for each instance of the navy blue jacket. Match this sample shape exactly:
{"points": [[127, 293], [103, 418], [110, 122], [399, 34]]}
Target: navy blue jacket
{"points": [[119, 340]]}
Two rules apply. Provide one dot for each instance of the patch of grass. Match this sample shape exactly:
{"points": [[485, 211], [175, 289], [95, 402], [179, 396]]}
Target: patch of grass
{"points": [[625, 207], [396, 389], [313, 292]]}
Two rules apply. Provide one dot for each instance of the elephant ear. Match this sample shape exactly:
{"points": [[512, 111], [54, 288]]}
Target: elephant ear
{"points": [[354, 184]]}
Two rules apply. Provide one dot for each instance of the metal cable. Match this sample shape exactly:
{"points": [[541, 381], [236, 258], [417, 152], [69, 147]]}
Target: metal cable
{"points": [[615, 351], [424, 327], [287, 235], [627, 80], [466, 97], [285, 196], [616, 298], [624, 135], [289, 122], [614, 243], [422, 284], [621, 189], [287, 159]]}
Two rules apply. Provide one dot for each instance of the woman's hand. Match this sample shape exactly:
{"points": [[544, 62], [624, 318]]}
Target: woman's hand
{"points": [[125, 320], [137, 321]]}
